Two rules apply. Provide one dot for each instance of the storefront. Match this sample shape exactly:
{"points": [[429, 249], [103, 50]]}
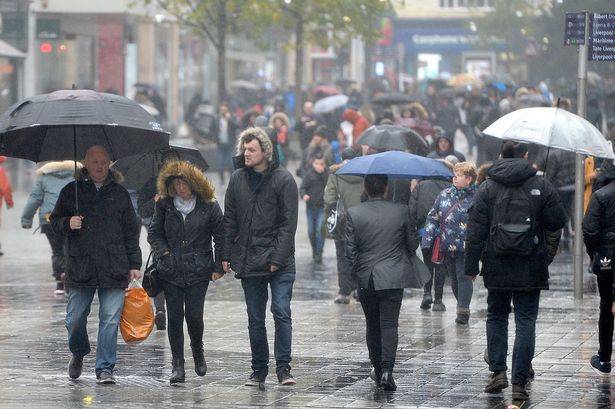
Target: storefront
{"points": [[444, 47]]}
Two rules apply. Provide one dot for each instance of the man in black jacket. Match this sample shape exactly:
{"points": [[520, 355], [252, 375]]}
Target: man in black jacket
{"points": [[103, 255], [260, 221], [599, 237], [512, 276]]}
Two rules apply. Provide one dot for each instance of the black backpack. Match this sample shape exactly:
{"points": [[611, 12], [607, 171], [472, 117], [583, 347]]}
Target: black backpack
{"points": [[512, 223]]}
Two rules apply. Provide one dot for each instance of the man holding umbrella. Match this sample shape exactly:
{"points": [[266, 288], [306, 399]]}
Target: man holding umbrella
{"points": [[102, 230]]}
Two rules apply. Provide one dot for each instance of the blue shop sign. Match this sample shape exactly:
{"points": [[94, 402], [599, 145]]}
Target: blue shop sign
{"points": [[442, 40]]}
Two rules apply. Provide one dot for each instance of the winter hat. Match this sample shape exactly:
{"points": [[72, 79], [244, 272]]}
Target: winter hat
{"points": [[263, 139]]}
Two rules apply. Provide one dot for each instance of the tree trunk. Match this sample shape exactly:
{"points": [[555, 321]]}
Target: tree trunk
{"points": [[367, 69], [298, 68], [221, 49]]}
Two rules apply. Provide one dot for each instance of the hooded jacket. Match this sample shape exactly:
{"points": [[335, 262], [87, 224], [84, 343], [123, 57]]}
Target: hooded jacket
{"points": [[513, 272], [423, 197], [349, 188], [438, 154], [358, 121], [190, 257], [260, 215], [106, 247], [50, 179], [6, 191]]}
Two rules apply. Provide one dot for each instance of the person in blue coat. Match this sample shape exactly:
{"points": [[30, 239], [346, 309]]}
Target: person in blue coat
{"points": [[50, 179]]}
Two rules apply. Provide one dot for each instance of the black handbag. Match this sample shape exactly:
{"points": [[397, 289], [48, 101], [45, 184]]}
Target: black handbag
{"points": [[151, 283]]}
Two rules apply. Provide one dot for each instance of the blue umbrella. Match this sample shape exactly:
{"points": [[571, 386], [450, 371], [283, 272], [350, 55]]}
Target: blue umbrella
{"points": [[396, 164]]}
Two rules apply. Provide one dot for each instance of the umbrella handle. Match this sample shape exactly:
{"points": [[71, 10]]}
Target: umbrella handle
{"points": [[75, 162]]}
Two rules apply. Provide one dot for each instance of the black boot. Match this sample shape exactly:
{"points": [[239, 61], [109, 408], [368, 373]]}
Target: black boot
{"points": [[387, 382], [200, 366], [179, 374]]}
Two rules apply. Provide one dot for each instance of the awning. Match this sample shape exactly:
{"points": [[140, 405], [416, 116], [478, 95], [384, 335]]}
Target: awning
{"points": [[7, 50]]}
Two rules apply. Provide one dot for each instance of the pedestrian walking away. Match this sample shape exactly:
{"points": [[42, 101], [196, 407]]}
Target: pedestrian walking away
{"points": [[312, 193], [6, 192], [599, 237], [381, 241], [341, 193], [508, 229], [445, 234], [103, 256], [260, 222], [50, 180], [186, 219]]}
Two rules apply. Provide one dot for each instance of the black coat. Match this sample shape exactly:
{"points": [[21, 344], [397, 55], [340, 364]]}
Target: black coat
{"points": [[381, 241], [423, 197], [260, 223], [599, 223], [107, 246], [512, 272], [189, 242], [313, 185]]}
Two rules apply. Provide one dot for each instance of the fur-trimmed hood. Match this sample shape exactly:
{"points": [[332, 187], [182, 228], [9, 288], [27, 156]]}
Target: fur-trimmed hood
{"points": [[279, 115], [199, 184], [61, 167], [262, 137]]}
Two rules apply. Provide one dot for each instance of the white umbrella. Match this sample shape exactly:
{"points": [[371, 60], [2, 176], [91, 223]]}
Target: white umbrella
{"points": [[554, 128], [329, 104]]}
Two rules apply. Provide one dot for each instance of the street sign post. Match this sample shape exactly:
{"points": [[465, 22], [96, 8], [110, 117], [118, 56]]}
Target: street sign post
{"points": [[575, 29]]}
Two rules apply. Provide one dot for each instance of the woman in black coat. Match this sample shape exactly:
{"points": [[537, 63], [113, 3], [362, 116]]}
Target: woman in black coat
{"points": [[186, 218]]}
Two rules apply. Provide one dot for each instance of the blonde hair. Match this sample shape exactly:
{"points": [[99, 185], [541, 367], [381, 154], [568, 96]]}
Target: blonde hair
{"points": [[467, 169]]}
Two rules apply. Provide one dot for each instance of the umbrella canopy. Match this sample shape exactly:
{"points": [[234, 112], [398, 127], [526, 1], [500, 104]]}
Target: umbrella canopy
{"points": [[65, 124], [396, 164], [330, 104], [244, 84], [325, 90], [393, 138], [554, 128], [392, 98], [139, 169]]}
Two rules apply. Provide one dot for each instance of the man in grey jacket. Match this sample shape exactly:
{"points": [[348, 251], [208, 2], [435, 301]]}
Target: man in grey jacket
{"points": [[381, 241]]}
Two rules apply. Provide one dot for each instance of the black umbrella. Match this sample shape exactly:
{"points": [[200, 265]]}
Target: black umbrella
{"points": [[385, 138], [392, 98], [65, 124], [139, 169]]}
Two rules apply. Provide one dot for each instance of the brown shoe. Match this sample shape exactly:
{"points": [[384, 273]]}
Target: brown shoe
{"points": [[497, 382], [519, 392]]}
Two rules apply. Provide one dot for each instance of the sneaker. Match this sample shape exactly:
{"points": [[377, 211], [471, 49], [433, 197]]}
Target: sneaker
{"points": [[75, 367], [497, 382], [438, 307], [161, 321], [105, 378], [342, 299], [462, 318], [59, 288], [601, 368], [256, 379], [376, 376], [285, 378], [426, 303], [519, 392]]}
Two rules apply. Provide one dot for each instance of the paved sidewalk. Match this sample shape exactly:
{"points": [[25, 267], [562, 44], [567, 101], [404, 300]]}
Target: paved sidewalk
{"points": [[439, 363]]}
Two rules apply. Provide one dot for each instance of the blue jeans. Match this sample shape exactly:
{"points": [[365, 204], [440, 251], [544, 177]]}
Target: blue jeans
{"points": [[463, 287], [526, 312], [315, 216], [111, 304], [225, 159], [256, 292]]}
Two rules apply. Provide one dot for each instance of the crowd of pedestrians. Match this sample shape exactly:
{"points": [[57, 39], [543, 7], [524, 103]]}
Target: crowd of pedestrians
{"points": [[502, 220]]}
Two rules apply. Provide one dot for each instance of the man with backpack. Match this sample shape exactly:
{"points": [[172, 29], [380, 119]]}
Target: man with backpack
{"points": [[511, 229]]}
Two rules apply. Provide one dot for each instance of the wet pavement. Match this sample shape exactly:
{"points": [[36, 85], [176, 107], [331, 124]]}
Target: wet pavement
{"points": [[439, 364]]}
